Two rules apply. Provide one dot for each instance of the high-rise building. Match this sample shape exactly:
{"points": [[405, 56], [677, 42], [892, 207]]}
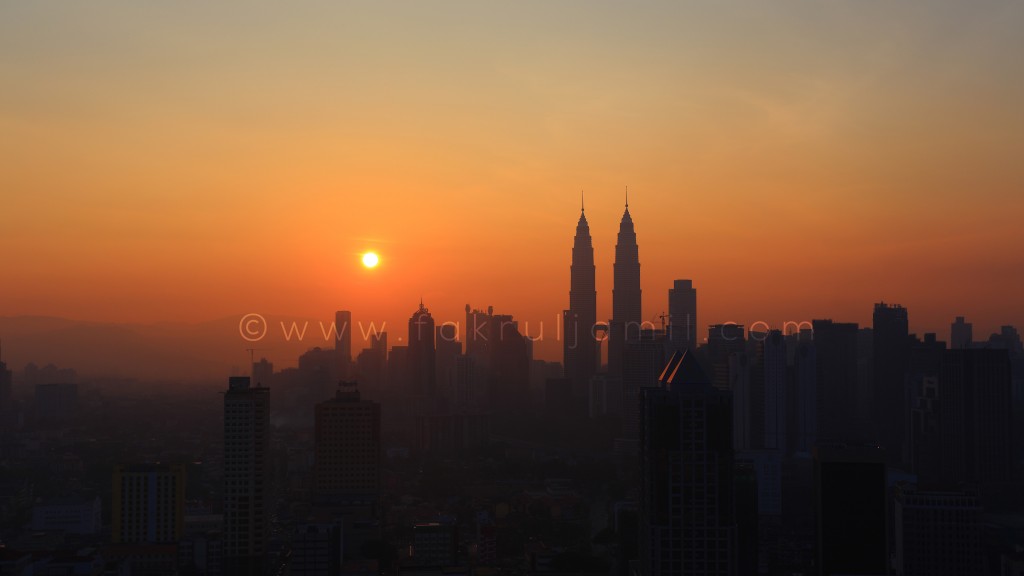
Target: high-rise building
{"points": [[246, 476], [470, 384], [398, 369], [626, 297], [422, 355], [148, 504], [724, 340], [372, 366], [961, 333], [7, 416], [974, 403], [347, 456], [448, 349], [509, 368], [850, 495], [580, 348], [347, 448], [924, 436], [644, 358], [773, 358], [343, 344], [478, 333], [938, 533], [682, 315], [805, 386], [891, 352], [835, 346], [740, 380], [687, 510]]}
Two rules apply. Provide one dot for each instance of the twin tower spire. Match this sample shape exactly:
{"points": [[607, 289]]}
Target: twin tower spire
{"points": [[581, 349]]}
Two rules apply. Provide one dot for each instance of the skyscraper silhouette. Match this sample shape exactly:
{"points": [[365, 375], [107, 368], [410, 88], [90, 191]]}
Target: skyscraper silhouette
{"points": [[422, 354], [626, 302], [343, 344], [447, 350], [974, 402], [891, 353], [687, 508], [347, 448], [579, 347], [960, 334], [835, 345], [246, 466], [682, 313], [346, 479]]}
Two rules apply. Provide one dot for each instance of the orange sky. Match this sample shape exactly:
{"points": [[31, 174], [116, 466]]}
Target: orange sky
{"points": [[797, 161]]}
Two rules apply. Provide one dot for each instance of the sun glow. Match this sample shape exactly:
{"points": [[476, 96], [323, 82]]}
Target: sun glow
{"points": [[370, 260]]}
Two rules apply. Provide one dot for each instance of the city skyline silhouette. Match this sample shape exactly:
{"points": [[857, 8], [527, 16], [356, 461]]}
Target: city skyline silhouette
{"points": [[584, 287]]}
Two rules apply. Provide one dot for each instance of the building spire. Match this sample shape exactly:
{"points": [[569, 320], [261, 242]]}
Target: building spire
{"points": [[627, 197], [581, 200]]}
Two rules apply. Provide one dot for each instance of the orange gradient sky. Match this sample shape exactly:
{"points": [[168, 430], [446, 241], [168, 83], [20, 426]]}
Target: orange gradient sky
{"points": [[798, 160]]}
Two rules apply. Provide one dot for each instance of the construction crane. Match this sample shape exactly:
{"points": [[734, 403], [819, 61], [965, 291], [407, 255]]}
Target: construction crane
{"points": [[252, 358], [662, 317]]}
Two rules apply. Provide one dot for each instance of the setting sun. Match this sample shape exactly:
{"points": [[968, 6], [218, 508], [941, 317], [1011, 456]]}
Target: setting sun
{"points": [[370, 260]]}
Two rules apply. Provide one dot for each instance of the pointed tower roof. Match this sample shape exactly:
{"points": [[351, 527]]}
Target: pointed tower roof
{"points": [[627, 220], [582, 223], [683, 370]]}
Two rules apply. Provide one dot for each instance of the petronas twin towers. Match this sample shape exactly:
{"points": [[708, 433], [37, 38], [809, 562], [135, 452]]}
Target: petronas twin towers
{"points": [[581, 346]]}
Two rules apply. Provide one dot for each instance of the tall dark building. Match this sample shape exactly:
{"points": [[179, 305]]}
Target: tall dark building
{"points": [[687, 508], [346, 473], [772, 353], [974, 404], [7, 416], [372, 366], [626, 302], [805, 401], [924, 436], [509, 374], [960, 333], [422, 355], [579, 346], [246, 476], [478, 333], [347, 444], [851, 495], [682, 313], [724, 340], [643, 360], [398, 370], [343, 344], [891, 353], [448, 350], [835, 346]]}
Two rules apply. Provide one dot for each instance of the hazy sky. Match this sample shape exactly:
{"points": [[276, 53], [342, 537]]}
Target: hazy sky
{"points": [[187, 161]]}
